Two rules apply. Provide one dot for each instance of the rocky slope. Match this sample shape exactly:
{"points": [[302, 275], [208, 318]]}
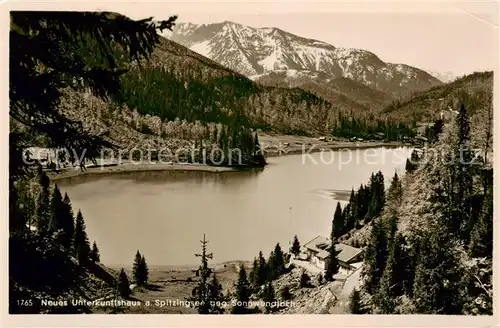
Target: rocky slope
{"points": [[254, 51]]}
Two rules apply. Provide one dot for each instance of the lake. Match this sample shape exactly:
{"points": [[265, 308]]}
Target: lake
{"points": [[165, 214]]}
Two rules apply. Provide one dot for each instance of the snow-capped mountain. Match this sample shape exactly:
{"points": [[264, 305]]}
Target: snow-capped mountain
{"points": [[258, 51]]}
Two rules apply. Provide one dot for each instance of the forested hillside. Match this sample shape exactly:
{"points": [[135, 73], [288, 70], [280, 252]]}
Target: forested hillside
{"points": [[476, 89], [429, 237], [342, 91]]}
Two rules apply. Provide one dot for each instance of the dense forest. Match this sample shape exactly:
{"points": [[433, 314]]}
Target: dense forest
{"points": [[429, 249], [50, 257]]}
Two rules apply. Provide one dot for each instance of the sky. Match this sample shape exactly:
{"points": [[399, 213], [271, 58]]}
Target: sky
{"points": [[445, 37]]}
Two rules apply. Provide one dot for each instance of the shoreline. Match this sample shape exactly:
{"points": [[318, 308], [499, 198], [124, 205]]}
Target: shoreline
{"points": [[271, 151]]}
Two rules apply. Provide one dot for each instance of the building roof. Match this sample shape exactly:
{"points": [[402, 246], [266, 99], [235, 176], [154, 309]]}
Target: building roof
{"points": [[318, 244], [323, 254], [346, 252], [321, 246]]}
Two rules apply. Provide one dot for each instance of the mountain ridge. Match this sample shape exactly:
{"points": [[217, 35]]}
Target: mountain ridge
{"points": [[254, 51]]}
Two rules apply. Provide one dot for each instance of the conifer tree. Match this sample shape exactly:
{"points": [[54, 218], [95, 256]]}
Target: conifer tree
{"points": [[94, 253], [375, 257], [338, 223], [391, 283], [43, 204], [124, 285], [140, 270], [332, 263], [216, 296], [67, 222], [253, 277], [305, 280], [56, 210], [81, 241], [295, 246], [481, 242], [144, 272], [395, 192], [201, 293], [263, 270], [242, 293], [269, 296], [355, 306], [463, 172], [437, 286], [276, 263]]}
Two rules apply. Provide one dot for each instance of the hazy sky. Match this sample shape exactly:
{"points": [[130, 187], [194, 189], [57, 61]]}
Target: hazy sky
{"points": [[435, 36]]}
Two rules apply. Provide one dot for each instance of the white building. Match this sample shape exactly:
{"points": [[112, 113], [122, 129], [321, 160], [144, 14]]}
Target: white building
{"points": [[318, 251]]}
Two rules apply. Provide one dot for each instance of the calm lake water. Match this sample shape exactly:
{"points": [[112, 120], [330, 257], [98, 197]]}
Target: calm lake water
{"points": [[165, 214]]}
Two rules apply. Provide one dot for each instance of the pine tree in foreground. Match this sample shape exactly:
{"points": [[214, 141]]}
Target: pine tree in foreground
{"points": [[56, 209], [253, 277], [124, 285], [94, 253], [143, 272], [269, 296], [201, 293], [68, 222], [295, 246], [216, 296], [263, 270], [355, 306], [81, 241], [140, 270], [278, 262], [332, 263], [242, 292], [338, 223], [43, 204], [375, 257]]}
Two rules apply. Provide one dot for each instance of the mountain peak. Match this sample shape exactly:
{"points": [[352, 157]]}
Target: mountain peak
{"points": [[255, 51]]}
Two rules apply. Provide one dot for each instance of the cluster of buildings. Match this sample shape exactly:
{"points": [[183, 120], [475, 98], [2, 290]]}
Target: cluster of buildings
{"points": [[317, 252]]}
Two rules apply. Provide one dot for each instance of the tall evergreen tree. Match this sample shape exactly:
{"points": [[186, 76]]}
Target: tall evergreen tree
{"points": [[43, 208], [56, 210], [201, 293], [332, 263], [242, 293], [437, 286], [278, 263], [124, 285], [144, 272], [216, 296], [81, 241], [355, 306], [375, 257], [269, 296], [140, 270], [263, 271], [338, 223], [391, 283], [463, 169], [253, 277], [67, 222], [94, 253], [481, 241], [295, 246], [395, 192]]}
